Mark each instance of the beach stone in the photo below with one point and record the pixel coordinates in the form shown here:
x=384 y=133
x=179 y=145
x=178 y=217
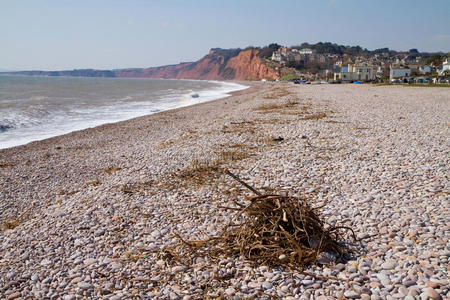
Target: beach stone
x=76 y=280
x=430 y=292
x=432 y=284
x=89 y=261
x=339 y=267
x=254 y=285
x=352 y=269
x=351 y=295
x=389 y=265
x=115 y=266
x=14 y=295
x=326 y=258
x=85 y=285
x=173 y=296
x=413 y=292
x=177 y=269
x=282 y=257
x=69 y=297
x=45 y=262
x=403 y=290
x=409 y=283
x=384 y=279
x=230 y=291
x=267 y=285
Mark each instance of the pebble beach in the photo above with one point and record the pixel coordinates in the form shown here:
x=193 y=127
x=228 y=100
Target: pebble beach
x=84 y=215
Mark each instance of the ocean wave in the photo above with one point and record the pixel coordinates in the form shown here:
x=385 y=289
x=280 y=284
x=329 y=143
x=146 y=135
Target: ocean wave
x=80 y=106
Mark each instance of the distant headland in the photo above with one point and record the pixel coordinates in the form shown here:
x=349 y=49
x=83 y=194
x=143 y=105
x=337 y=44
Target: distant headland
x=272 y=62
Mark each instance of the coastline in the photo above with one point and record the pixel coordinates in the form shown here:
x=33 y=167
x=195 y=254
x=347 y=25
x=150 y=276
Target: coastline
x=59 y=122
x=87 y=201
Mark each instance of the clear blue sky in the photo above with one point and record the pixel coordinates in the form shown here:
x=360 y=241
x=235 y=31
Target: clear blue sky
x=105 y=34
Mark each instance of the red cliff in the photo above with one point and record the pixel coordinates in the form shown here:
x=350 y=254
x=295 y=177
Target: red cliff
x=219 y=64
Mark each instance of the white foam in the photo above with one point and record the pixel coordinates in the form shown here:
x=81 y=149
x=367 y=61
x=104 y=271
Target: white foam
x=31 y=128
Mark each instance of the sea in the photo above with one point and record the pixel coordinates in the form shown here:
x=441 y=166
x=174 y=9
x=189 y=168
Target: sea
x=34 y=108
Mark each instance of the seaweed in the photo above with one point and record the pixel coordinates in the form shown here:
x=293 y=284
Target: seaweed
x=271 y=229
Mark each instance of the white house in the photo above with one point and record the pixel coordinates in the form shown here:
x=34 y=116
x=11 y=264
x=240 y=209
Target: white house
x=445 y=67
x=306 y=51
x=398 y=72
x=276 y=56
x=356 y=72
x=425 y=69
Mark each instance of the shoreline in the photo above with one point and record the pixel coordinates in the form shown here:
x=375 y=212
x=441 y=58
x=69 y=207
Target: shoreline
x=25 y=137
x=88 y=211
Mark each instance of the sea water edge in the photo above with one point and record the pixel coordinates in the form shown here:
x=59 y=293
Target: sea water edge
x=11 y=137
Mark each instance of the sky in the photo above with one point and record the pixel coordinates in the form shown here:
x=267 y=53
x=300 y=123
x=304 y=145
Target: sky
x=110 y=34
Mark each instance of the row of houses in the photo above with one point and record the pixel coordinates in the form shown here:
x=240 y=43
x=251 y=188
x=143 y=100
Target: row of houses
x=364 y=71
x=284 y=55
x=345 y=67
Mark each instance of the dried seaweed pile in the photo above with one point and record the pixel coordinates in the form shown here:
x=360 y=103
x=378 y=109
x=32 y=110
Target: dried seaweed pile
x=271 y=229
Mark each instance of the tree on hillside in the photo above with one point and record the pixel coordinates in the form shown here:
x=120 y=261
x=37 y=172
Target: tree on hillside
x=435 y=59
x=381 y=50
x=267 y=51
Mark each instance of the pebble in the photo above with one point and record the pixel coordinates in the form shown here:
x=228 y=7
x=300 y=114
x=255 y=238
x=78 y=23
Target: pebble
x=46 y=262
x=230 y=291
x=384 y=279
x=89 y=261
x=14 y=296
x=267 y=285
x=380 y=164
x=326 y=258
x=389 y=265
x=85 y=285
x=351 y=295
x=177 y=269
x=115 y=266
x=430 y=292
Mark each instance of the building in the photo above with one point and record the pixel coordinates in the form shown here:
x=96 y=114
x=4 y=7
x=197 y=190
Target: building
x=425 y=69
x=445 y=67
x=276 y=56
x=280 y=55
x=306 y=51
x=399 y=72
x=356 y=72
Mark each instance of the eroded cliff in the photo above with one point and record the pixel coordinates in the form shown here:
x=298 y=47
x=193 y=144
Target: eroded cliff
x=219 y=64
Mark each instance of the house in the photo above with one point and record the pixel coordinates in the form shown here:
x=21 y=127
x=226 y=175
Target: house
x=413 y=67
x=399 y=71
x=445 y=68
x=425 y=69
x=356 y=72
x=306 y=51
x=276 y=56
x=409 y=60
x=280 y=55
x=297 y=56
x=321 y=58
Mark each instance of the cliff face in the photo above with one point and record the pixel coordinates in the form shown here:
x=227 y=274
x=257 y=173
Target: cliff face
x=219 y=64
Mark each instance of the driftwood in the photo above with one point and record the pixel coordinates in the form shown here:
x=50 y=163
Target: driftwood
x=276 y=230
